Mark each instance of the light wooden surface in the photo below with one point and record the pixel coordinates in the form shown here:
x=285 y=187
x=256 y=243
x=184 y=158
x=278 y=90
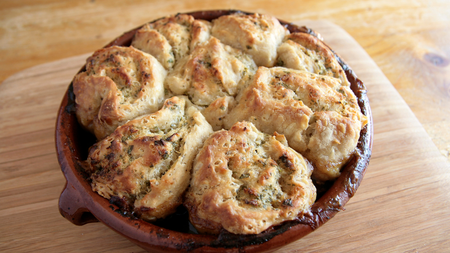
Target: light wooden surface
x=408 y=40
x=402 y=205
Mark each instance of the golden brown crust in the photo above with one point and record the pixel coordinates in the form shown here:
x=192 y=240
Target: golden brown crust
x=332 y=141
x=170 y=39
x=266 y=101
x=290 y=101
x=200 y=33
x=213 y=70
x=256 y=34
x=151 y=41
x=119 y=84
x=306 y=52
x=215 y=113
x=147 y=161
x=246 y=181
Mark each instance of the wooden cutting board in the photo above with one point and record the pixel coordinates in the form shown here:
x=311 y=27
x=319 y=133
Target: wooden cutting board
x=403 y=203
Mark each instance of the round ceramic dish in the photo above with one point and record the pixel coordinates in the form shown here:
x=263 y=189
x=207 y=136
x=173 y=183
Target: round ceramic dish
x=80 y=205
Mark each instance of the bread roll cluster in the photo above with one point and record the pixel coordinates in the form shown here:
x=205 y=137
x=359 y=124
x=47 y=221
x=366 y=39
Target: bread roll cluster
x=234 y=118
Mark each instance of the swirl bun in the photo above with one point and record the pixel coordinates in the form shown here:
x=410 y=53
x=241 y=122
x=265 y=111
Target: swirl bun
x=257 y=34
x=119 y=84
x=246 y=181
x=172 y=38
x=144 y=165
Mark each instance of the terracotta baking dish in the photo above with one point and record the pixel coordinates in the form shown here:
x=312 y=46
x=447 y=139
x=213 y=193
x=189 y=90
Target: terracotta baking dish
x=80 y=205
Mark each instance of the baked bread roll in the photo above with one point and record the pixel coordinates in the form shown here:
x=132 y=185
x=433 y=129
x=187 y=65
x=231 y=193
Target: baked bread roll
x=144 y=166
x=170 y=39
x=217 y=110
x=119 y=84
x=213 y=70
x=256 y=34
x=306 y=52
x=211 y=76
x=246 y=181
x=319 y=117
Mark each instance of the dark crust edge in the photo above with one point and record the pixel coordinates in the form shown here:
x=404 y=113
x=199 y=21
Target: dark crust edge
x=152 y=237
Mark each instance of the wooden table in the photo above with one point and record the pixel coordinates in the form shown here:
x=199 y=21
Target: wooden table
x=403 y=203
x=407 y=40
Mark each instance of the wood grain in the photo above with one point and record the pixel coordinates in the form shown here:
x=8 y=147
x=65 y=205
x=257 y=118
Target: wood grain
x=403 y=203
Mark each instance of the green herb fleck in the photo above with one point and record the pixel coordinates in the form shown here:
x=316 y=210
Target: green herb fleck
x=246 y=175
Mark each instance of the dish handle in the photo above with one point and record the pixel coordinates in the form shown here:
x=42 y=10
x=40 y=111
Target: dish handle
x=72 y=206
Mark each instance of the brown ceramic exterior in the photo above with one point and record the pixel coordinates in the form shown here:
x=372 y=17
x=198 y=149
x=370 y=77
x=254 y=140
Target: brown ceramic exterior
x=80 y=205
